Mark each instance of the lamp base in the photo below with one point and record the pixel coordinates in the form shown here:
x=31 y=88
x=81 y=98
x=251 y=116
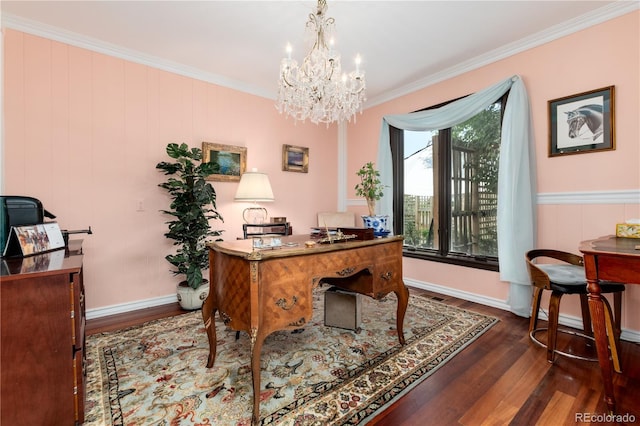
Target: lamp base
x=255 y=215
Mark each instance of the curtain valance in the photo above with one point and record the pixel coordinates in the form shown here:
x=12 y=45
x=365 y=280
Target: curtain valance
x=516 y=214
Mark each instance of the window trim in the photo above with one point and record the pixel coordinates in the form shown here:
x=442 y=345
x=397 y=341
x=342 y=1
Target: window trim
x=476 y=262
x=442 y=254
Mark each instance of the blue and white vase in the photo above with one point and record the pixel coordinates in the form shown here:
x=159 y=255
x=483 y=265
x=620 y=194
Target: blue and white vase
x=379 y=223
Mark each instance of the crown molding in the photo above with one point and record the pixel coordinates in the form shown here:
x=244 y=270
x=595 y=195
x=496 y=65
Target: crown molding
x=598 y=16
x=74 y=39
x=579 y=23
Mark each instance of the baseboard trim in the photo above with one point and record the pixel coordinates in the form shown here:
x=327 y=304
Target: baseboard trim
x=576 y=322
x=566 y=320
x=130 y=306
x=464 y=295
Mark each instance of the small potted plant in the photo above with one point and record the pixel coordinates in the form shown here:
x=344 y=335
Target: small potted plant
x=371 y=188
x=193 y=204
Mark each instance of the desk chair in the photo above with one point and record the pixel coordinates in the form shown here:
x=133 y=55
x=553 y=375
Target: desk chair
x=569 y=278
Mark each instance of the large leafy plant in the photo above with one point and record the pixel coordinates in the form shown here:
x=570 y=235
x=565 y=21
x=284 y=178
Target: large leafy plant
x=370 y=186
x=193 y=204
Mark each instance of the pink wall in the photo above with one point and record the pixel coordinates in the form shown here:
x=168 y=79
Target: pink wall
x=84 y=132
x=553 y=70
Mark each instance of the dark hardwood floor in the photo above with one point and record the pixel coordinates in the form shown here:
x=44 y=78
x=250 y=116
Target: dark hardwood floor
x=500 y=379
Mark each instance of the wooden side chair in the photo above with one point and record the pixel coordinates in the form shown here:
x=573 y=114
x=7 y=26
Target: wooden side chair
x=569 y=278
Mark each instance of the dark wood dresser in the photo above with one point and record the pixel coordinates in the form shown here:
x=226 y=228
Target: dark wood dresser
x=42 y=320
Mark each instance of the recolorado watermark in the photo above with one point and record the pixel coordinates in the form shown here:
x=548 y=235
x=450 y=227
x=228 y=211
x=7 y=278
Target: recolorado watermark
x=604 y=418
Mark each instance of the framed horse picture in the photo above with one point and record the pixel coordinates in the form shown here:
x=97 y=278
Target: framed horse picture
x=582 y=123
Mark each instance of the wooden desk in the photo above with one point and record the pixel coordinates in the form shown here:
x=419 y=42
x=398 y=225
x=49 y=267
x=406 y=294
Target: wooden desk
x=264 y=291
x=613 y=259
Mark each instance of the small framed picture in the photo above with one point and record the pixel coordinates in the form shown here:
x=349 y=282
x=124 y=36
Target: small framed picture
x=231 y=161
x=582 y=123
x=295 y=159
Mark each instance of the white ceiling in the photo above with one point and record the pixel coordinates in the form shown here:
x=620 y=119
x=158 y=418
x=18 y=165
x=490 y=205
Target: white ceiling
x=405 y=45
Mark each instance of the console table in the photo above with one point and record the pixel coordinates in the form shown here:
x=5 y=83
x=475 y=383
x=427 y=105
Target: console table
x=42 y=317
x=262 y=291
x=612 y=259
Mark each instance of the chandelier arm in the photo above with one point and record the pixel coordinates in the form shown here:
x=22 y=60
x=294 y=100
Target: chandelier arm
x=284 y=78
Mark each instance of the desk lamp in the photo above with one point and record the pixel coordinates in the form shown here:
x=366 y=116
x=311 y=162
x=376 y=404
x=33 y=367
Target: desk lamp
x=254 y=187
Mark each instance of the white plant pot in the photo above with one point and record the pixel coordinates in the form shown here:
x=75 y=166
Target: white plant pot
x=191 y=299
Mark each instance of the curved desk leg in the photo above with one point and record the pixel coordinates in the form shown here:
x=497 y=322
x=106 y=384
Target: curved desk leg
x=208 y=316
x=257 y=339
x=403 y=300
x=596 y=307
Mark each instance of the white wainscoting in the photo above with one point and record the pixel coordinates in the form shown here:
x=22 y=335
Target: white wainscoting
x=625 y=196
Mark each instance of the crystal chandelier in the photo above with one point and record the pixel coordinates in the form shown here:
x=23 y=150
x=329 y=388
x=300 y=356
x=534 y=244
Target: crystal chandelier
x=317 y=89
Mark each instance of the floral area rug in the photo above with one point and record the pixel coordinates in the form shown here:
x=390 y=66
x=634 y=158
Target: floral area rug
x=155 y=374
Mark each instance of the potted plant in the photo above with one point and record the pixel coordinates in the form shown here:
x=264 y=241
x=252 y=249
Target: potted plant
x=371 y=188
x=193 y=204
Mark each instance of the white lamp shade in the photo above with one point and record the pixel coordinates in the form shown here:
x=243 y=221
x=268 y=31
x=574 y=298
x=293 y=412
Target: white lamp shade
x=254 y=186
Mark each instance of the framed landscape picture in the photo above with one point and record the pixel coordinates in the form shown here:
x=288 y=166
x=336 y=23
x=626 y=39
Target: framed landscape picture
x=582 y=123
x=295 y=159
x=231 y=161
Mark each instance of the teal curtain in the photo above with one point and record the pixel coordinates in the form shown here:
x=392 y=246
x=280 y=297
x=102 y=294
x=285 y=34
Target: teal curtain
x=516 y=177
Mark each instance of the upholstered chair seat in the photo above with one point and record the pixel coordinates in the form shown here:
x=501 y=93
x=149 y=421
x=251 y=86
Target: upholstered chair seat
x=569 y=278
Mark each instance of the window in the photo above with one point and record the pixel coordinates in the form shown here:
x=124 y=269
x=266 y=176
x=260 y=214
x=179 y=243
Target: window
x=445 y=186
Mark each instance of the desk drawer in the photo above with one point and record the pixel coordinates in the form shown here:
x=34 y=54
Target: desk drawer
x=286 y=305
x=385 y=276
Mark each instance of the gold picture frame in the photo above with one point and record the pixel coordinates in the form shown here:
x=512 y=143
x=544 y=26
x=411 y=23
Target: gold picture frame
x=295 y=159
x=231 y=161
